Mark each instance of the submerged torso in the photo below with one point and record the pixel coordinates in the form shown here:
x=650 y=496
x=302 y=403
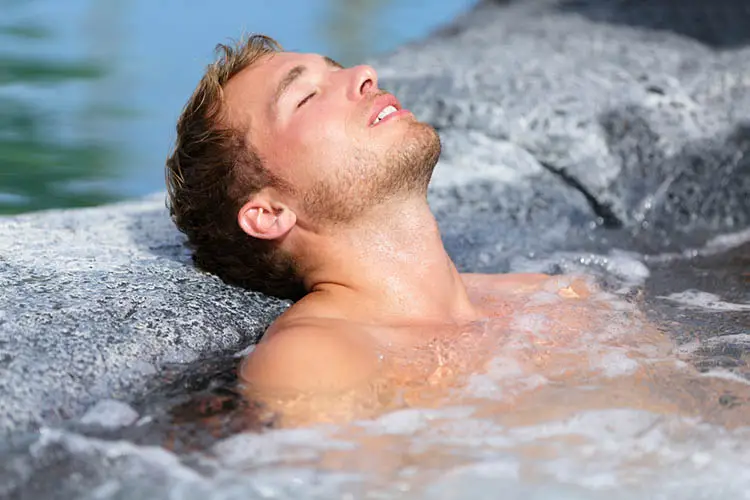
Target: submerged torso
x=543 y=347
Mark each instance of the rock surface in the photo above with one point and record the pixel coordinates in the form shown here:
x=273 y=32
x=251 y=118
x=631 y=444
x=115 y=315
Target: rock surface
x=570 y=129
x=652 y=128
x=98 y=303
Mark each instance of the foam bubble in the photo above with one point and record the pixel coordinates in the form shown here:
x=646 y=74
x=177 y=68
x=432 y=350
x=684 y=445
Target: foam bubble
x=728 y=241
x=627 y=267
x=426 y=454
x=716 y=245
x=726 y=375
x=696 y=299
x=288 y=445
x=614 y=363
x=110 y=413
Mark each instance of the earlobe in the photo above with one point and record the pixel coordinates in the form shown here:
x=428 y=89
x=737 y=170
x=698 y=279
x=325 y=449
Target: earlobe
x=264 y=222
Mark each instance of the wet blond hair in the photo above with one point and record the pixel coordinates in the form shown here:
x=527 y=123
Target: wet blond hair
x=213 y=170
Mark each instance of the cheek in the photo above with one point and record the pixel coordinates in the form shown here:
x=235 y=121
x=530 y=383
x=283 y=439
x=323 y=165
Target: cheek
x=316 y=137
x=303 y=151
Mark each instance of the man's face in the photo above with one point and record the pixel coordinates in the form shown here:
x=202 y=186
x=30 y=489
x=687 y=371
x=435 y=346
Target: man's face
x=315 y=125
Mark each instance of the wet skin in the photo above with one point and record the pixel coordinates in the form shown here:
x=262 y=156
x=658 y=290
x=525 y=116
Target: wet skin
x=320 y=364
x=560 y=330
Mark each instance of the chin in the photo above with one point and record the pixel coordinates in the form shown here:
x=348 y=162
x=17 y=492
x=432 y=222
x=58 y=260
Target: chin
x=406 y=169
x=428 y=143
x=417 y=156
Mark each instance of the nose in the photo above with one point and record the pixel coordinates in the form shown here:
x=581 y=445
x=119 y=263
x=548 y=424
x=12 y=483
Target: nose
x=364 y=80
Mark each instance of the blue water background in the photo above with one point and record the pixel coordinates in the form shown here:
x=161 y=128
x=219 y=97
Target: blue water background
x=153 y=52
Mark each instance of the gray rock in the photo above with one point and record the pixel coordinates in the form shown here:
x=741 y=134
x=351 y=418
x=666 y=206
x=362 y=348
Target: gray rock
x=573 y=132
x=98 y=303
x=651 y=127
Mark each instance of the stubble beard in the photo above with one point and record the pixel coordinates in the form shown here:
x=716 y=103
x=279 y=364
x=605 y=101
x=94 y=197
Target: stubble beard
x=405 y=171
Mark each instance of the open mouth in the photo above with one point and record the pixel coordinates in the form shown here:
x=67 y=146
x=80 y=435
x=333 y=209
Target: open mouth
x=384 y=108
x=386 y=111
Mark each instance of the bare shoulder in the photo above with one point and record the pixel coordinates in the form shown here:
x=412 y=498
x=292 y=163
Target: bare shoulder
x=310 y=356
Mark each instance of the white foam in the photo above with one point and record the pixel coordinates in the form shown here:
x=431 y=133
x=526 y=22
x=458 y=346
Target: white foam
x=245 y=352
x=728 y=241
x=696 y=299
x=614 y=363
x=434 y=454
x=287 y=446
x=412 y=420
x=628 y=267
x=110 y=413
x=718 y=244
x=725 y=375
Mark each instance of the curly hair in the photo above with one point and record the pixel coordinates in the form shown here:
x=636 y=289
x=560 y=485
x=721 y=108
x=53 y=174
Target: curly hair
x=213 y=170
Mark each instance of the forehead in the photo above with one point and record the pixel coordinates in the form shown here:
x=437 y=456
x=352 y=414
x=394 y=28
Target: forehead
x=249 y=93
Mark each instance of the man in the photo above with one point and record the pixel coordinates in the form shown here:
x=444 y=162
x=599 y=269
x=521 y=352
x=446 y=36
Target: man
x=300 y=178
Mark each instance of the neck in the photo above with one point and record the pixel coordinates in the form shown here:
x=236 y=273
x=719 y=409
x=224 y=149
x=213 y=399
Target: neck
x=391 y=265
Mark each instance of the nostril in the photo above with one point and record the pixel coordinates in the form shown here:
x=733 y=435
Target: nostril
x=363 y=80
x=366 y=86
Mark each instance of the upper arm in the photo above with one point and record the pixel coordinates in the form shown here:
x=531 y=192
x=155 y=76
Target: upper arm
x=308 y=359
x=309 y=375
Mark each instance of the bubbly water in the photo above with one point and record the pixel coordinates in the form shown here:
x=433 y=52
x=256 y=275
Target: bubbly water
x=445 y=453
x=612 y=411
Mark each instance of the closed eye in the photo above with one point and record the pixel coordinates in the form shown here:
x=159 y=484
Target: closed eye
x=306 y=99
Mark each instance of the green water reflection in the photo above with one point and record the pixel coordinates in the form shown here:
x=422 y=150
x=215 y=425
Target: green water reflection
x=39 y=167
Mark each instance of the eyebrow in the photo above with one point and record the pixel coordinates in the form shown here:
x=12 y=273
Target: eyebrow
x=295 y=73
x=332 y=63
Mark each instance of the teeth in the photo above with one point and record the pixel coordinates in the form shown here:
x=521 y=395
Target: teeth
x=386 y=111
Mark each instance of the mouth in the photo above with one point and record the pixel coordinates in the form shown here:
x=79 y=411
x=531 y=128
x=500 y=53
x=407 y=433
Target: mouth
x=385 y=107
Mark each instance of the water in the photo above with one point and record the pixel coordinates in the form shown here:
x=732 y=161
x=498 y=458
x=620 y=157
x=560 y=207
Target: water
x=93 y=88
x=615 y=410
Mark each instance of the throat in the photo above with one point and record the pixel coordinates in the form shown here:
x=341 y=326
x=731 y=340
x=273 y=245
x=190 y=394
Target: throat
x=384 y=296
x=392 y=264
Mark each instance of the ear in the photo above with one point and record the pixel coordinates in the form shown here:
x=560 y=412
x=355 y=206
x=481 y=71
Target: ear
x=263 y=220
